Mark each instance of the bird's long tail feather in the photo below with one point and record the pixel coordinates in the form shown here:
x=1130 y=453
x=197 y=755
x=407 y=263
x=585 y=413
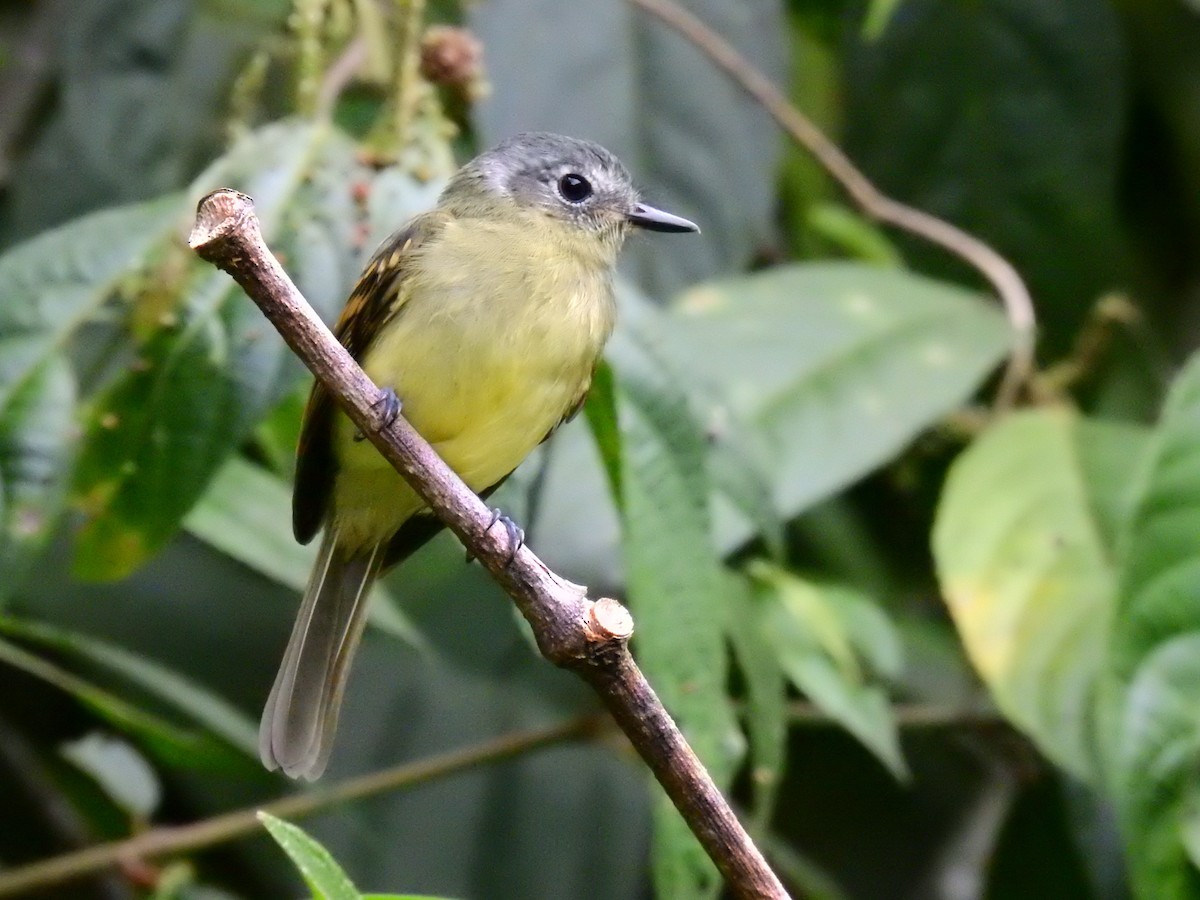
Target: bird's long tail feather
x=301 y=714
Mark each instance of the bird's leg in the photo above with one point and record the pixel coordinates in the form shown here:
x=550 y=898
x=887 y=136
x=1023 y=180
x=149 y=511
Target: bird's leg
x=516 y=535
x=389 y=404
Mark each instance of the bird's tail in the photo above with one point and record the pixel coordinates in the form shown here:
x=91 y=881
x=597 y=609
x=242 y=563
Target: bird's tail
x=301 y=714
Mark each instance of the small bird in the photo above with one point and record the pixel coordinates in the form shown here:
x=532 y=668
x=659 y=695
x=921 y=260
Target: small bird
x=483 y=320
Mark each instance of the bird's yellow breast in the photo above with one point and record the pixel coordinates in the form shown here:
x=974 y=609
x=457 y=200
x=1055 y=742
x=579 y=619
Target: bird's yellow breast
x=499 y=328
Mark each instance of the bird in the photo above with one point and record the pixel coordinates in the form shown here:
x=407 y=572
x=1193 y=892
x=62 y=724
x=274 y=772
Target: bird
x=482 y=320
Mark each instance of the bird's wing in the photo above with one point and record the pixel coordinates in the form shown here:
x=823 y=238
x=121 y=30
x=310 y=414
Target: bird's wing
x=377 y=297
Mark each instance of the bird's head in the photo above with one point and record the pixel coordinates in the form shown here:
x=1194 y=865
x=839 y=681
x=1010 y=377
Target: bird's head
x=567 y=180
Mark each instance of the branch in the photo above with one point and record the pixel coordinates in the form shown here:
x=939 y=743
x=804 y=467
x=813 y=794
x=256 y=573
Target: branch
x=232 y=825
x=1018 y=305
x=588 y=637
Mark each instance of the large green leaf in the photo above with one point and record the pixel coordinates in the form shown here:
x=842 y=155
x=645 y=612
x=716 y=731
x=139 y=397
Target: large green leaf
x=675 y=585
x=208 y=366
x=839 y=365
x=53 y=288
x=806 y=376
x=1007 y=118
x=57 y=283
x=1159 y=597
x=682 y=126
x=1024 y=549
x=1157 y=738
x=1156 y=648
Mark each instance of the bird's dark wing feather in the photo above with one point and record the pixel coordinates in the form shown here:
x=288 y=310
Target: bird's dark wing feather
x=375 y=299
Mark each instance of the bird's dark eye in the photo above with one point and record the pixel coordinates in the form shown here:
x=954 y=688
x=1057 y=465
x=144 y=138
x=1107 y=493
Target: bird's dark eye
x=574 y=188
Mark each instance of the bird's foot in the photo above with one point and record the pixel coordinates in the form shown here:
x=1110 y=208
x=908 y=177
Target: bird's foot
x=516 y=535
x=389 y=406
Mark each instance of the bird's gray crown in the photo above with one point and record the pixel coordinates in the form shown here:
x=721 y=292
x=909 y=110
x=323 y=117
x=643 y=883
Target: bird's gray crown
x=565 y=177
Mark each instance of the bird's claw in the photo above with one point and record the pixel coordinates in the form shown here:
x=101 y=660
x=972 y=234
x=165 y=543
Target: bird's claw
x=516 y=535
x=389 y=406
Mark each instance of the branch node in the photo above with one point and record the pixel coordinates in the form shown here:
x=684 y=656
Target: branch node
x=608 y=621
x=221 y=215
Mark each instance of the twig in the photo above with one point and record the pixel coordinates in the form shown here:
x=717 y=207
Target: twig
x=233 y=825
x=995 y=268
x=572 y=631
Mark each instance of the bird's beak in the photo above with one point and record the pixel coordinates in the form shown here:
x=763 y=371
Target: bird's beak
x=652 y=219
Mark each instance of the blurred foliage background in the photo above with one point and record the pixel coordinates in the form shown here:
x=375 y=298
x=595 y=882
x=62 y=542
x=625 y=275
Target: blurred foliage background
x=933 y=649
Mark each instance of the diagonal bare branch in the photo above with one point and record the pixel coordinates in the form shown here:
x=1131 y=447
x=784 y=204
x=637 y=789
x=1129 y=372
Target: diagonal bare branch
x=572 y=631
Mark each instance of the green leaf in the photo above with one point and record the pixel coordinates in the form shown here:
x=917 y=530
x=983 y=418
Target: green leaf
x=765 y=710
x=167 y=685
x=57 y=283
x=1024 y=553
x=1155 y=653
x=395 y=196
x=601 y=412
x=679 y=865
x=806 y=376
x=37 y=444
x=140 y=95
x=740 y=463
x=1158 y=591
x=209 y=366
x=645 y=93
x=1158 y=742
x=321 y=872
x=827 y=641
x=246 y=514
x=675 y=585
x=839 y=365
x=53 y=287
